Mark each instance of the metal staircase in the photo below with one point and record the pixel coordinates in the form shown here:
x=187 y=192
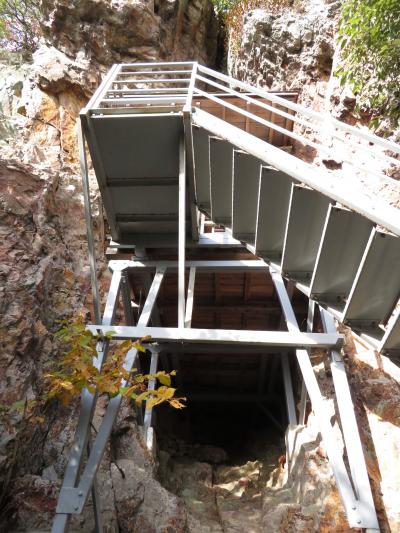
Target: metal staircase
x=170 y=141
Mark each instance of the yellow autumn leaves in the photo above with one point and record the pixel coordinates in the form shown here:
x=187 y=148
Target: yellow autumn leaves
x=78 y=370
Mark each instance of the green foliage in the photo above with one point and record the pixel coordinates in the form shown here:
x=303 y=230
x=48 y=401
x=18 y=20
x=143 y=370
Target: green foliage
x=369 y=37
x=222 y=7
x=76 y=371
x=19 y=25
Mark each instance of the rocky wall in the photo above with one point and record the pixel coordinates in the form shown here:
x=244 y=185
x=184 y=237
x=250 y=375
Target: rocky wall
x=44 y=273
x=291 y=49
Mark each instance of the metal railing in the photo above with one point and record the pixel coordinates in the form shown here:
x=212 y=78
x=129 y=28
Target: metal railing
x=356 y=154
x=330 y=138
x=133 y=86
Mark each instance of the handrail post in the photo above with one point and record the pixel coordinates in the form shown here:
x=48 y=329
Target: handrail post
x=89 y=224
x=187 y=111
x=188 y=105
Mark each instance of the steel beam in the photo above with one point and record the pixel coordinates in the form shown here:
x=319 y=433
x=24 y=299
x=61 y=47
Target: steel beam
x=148 y=413
x=230 y=397
x=72 y=499
x=89 y=223
x=277 y=339
x=126 y=299
x=287 y=381
x=182 y=235
x=88 y=402
x=164 y=240
x=303 y=394
x=243 y=265
x=357 y=512
x=190 y=298
x=351 y=434
x=189 y=151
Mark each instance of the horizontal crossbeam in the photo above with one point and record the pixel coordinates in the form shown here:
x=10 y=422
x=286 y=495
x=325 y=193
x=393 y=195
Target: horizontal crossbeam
x=277 y=339
x=243 y=265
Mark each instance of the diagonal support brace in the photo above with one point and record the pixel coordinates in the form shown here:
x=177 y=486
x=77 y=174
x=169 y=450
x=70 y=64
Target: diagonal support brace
x=357 y=511
x=72 y=499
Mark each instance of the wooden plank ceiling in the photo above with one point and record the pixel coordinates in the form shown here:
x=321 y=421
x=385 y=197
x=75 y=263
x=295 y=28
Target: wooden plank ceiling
x=222 y=300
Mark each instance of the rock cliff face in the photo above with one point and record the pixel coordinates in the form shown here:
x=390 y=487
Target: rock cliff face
x=81 y=40
x=43 y=254
x=287 y=50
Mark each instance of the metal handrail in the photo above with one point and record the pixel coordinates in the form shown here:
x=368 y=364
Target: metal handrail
x=388 y=145
x=293 y=135
x=317 y=123
x=294 y=118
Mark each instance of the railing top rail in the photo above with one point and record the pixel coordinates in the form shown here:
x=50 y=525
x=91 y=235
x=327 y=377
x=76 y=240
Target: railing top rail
x=296 y=136
x=159 y=80
x=153 y=72
x=159 y=64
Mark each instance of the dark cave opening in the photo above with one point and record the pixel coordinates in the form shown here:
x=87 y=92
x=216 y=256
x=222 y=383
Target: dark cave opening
x=236 y=406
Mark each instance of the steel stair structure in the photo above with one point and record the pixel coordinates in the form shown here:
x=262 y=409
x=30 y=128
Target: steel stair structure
x=166 y=149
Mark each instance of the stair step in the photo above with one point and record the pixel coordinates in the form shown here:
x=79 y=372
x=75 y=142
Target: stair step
x=272 y=212
x=391 y=339
x=221 y=161
x=342 y=247
x=246 y=179
x=306 y=219
x=376 y=287
x=144 y=201
x=202 y=168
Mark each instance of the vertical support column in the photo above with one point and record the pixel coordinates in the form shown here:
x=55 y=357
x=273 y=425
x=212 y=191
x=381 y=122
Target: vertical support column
x=351 y=434
x=355 y=510
x=303 y=396
x=72 y=499
x=148 y=414
x=89 y=224
x=287 y=381
x=289 y=396
x=182 y=235
x=126 y=299
x=82 y=433
x=291 y=411
x=190 y=297
x=187 y=125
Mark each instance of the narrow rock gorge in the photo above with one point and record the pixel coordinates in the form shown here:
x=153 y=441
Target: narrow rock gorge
x=196 y=486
